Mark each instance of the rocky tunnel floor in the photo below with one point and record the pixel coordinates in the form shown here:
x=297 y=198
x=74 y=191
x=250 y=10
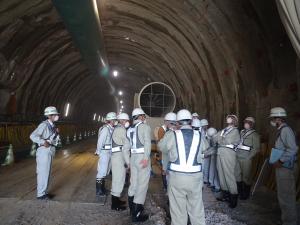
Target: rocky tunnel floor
x=73 y=183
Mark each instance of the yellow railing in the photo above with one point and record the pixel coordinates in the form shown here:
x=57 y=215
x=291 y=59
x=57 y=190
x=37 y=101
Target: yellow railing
x=18 y=135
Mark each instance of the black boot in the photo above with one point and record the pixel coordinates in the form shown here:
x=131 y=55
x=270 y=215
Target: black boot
x=115 y=204
x=130 y=203
x=137 y=215
x=233 y=200
x=103 y=189
x=100 y=187
x=246 y=192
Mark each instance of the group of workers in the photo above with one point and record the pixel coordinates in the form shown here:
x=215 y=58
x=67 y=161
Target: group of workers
x=225 y=165
x=121 y=146
x=192 y=154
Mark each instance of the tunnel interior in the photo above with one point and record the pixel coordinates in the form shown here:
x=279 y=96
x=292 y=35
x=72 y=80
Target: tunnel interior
x=218 y=57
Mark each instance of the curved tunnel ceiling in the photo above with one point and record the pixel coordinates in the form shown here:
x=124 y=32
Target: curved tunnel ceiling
x=218 y=56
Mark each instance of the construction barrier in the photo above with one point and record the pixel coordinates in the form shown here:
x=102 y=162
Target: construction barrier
x=9 y=158
x=17 y=135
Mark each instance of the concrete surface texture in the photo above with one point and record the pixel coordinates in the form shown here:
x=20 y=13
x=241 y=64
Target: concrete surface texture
x=218 y=56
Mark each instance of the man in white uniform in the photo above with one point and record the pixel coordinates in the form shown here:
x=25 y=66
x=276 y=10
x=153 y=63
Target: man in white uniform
x=184 y=147
x=140 y=165
x=246 y=150
x=170 y=125
x=46 y=136
x=119 y=161
x=206 y=160
x=227 y=141
x=212 y=152
x=104 y=152
x=286 y=167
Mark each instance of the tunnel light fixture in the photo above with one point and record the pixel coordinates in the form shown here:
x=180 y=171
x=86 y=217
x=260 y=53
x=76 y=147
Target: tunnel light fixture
x=120 y=93
x=67 y=109
x=122 y=107
x=115 y=73
x=99 y=118
x=95 y=116
x=121 y=101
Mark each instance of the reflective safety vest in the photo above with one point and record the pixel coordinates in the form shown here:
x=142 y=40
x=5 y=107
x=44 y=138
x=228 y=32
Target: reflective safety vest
x=136 y=146
x=107 y=143
x=188 y=147
x=244 y=135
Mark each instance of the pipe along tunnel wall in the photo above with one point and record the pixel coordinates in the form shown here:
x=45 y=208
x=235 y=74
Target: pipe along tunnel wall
x=218 y=56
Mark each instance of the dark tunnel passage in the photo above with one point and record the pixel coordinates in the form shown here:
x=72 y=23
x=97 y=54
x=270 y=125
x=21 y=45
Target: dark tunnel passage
x=218 y=56
x=91 y=57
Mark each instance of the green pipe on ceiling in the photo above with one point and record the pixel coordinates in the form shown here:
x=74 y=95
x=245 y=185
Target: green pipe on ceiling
x=82 y=20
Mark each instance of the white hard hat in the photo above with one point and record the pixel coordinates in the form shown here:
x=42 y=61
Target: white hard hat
x=204 y=122
x=211 y=132
x=111 y=116
x=278 y=112
x=195 y=114
x=250 y=119
x=233 y=117
x=184 y=114
x=137 y=112
x=123 y=116
x=51 y=110
x=196 y=123
x=170 y=116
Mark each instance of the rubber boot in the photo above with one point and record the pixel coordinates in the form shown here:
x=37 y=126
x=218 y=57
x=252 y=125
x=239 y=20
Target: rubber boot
x=246 y=192
x=99 y=189
x=233 y=200
x=137 y=215
x=130 y=203
x=103 y=189
x=115 y=204
x=240 y=187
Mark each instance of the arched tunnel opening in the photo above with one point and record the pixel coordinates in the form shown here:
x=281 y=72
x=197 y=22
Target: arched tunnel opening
x=91 y=57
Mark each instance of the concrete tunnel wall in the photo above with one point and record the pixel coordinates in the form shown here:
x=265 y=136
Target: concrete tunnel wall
x=219 y=56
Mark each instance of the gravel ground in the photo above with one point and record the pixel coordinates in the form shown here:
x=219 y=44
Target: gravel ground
x=36 y=212
x=73 y=182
